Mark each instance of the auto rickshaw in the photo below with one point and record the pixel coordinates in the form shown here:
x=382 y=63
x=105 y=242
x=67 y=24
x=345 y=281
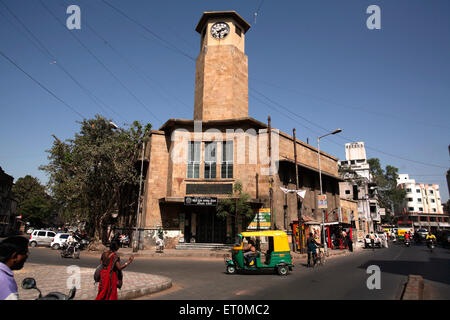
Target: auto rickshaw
x=277 y=256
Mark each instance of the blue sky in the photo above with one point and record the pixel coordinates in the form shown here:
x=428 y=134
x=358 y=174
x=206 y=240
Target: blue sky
x=313 y=65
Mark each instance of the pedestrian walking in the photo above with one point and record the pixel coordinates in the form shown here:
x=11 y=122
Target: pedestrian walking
x=349 y=242
x=385 y=238
x=13 y=254
x=111 y=274
x=372 y=240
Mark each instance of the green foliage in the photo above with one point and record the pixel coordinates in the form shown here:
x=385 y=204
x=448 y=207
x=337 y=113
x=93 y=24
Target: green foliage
x=95 y=173
x=386 y=181
x=237 y=204
x=33 y=202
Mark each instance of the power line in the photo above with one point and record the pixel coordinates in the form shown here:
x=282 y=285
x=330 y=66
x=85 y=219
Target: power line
x=168 y=44
x=131 y=65
x=101 y=63
x=41 y=47
x=343 y=105
x=42 y=86
x=348 y=139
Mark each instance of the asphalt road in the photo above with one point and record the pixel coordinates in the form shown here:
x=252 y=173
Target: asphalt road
x=343 y=277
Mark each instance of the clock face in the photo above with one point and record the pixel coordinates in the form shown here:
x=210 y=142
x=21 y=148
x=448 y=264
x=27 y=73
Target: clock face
x=220 y=30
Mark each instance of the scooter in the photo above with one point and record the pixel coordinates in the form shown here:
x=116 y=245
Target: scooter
x=30 y=283
x=70 y=251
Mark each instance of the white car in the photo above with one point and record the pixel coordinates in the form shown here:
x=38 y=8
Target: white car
x=367 y=242
x=58 y=240
x=41 y=237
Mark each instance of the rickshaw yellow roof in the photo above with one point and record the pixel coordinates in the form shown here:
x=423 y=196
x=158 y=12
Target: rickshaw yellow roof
x=266 y=233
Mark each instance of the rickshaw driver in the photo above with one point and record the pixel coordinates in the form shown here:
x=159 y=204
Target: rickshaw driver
x=250 y=250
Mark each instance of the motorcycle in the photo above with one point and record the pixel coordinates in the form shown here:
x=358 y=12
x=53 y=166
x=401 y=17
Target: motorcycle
x=70 y=250
x=407 y=243
x=30 y=283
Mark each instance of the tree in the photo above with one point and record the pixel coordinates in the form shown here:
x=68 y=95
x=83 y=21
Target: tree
x=388 y=193
x=33 y=202
x=235 y=205
x=97 y=173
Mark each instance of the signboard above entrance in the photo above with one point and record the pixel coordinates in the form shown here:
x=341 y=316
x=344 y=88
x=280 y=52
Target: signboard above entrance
x=200 y=201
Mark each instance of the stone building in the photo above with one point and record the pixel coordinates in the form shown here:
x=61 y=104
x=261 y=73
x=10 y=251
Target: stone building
x=8 y=206
x=193 y=164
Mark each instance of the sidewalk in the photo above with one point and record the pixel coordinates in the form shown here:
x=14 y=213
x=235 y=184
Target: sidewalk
x=61 y=278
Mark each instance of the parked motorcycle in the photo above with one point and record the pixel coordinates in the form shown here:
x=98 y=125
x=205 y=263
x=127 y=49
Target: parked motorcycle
x=30 y=283
x=70 y=250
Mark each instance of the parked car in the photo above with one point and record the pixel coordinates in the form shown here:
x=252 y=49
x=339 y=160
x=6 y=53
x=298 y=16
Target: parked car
x=41 y=237
x=58 y=240
x=422 y=233
x=367 y=242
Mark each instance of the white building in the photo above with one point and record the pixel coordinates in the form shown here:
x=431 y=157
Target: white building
x=420 y=197
x=365 y=192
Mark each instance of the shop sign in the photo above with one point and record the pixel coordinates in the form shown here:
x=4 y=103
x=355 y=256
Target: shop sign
x=200 y=201
x=262 y=220
x=322 y=201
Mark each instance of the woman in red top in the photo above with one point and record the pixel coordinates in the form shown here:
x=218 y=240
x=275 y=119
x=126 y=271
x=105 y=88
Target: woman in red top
x=111 y=275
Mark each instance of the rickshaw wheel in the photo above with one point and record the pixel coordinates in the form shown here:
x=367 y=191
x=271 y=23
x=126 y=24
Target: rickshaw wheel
x=231 y=269
x=282 y=270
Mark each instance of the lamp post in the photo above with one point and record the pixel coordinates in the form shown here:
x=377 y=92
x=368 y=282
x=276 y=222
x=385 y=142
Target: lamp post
x=320 y=180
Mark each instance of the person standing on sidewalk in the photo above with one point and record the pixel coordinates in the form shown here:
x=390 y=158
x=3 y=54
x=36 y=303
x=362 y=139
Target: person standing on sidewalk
x=13 y=254
x=349 y=242
x=111 y=274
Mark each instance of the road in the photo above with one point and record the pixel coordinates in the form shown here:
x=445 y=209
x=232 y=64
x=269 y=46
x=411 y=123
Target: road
x=343 y=277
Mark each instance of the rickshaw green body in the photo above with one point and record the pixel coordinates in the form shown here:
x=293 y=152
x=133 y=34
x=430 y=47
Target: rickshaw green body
x=277 y=257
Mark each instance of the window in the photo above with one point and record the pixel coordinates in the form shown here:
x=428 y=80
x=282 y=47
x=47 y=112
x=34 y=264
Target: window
x=420 y=209
x=408 y=190
x=347 y=191
x=419 y=199
x=431 y=192
x=432 y=201
x=411 y=209
x=227 y=160
x=210 y=160
x=410 y=199
x=41 y=234
x=50 y=234
x=417 y=190
x=193 y=168
x=64 y=236
x=434 y=209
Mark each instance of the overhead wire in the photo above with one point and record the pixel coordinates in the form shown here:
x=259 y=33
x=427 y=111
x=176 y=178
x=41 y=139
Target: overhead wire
x=101 y=63
x=135 y=69
x=42 y=86
x=41 y=47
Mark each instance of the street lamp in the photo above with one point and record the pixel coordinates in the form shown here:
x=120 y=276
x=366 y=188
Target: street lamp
x=320 y=179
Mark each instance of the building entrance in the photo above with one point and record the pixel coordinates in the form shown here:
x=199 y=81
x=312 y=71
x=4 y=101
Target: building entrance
x=208 y=227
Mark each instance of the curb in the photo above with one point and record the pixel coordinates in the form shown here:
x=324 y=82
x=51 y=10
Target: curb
x=413 y=288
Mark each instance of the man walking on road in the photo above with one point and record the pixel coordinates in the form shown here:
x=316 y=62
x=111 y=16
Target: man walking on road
x=372 y=240
x=13 y=254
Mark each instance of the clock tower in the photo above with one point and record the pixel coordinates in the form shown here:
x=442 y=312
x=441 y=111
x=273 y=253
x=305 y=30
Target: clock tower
x=221 y=76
